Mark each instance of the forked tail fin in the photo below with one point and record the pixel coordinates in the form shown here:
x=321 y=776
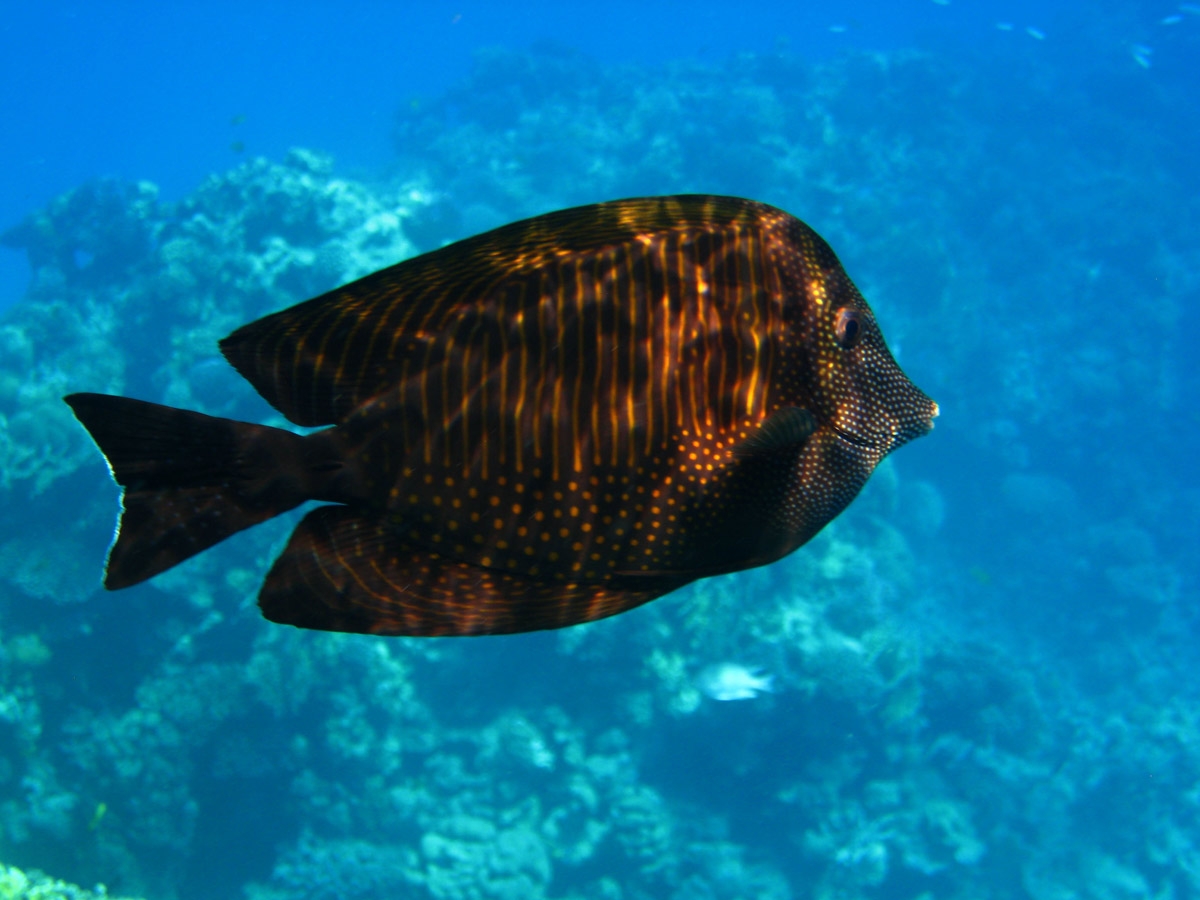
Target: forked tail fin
x=190 y=480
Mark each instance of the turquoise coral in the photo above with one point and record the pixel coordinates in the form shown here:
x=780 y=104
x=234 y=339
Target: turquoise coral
x=18 y=885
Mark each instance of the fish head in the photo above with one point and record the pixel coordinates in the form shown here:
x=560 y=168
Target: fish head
x=859 y=404
x=859 y=395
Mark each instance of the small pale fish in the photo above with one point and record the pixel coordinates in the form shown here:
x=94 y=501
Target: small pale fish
x=733 y=681
x=1004 y=26
x=1171 y=20
x=1192 y=9
x=1142 y=54
x=1036 y=33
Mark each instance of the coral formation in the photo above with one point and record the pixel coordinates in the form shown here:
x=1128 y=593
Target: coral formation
x=18 y=885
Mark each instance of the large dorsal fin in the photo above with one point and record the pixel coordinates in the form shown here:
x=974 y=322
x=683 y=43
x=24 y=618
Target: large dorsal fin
x=318 y=360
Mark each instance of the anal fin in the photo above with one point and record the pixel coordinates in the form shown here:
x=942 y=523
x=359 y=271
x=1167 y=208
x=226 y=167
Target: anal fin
x=344 y=570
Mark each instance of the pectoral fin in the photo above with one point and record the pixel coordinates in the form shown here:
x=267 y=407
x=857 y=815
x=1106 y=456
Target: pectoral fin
x=785 y=430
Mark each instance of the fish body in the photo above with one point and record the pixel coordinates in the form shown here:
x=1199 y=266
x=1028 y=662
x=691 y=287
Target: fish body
x=733 y=681
x=542 y=425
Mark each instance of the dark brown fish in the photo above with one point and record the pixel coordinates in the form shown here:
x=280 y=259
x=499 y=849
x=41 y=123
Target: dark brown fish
x=543 y=425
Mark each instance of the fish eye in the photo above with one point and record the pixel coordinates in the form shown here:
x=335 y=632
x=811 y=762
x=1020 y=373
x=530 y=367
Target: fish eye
x=847 y=327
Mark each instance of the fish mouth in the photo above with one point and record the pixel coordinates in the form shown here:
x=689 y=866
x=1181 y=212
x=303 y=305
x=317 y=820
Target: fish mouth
x=901 y=431
x=858 y=440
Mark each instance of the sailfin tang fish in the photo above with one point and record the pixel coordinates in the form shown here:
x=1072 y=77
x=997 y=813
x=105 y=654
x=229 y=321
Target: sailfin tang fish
x=538 y=426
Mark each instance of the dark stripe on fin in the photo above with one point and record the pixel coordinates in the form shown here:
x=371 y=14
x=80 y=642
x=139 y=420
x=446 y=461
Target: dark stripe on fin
x=346 y=571
x=190 y=480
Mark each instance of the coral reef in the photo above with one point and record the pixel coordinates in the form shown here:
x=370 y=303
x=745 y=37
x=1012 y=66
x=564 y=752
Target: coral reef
x=18 y=885
x=980 y=673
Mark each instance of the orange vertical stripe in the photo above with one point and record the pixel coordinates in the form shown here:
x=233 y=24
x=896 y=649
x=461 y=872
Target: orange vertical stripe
x=577 y=299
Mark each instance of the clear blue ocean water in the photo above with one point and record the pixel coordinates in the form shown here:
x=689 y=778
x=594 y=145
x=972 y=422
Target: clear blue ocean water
x=982 y=675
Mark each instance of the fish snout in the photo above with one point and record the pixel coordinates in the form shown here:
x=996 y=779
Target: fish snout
x=933 y=412
x=914 y=419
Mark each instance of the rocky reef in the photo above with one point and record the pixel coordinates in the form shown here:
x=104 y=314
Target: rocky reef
x=18 y=885
x=979 y=670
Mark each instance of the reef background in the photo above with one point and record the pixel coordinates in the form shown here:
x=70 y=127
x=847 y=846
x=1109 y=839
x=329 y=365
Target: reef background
x=985 y=670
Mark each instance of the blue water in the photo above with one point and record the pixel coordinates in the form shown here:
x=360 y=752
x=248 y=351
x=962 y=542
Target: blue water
x=983 y=673
x=150 y=92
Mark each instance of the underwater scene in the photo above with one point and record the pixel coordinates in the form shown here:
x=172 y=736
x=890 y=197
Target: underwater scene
x=978 y=681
